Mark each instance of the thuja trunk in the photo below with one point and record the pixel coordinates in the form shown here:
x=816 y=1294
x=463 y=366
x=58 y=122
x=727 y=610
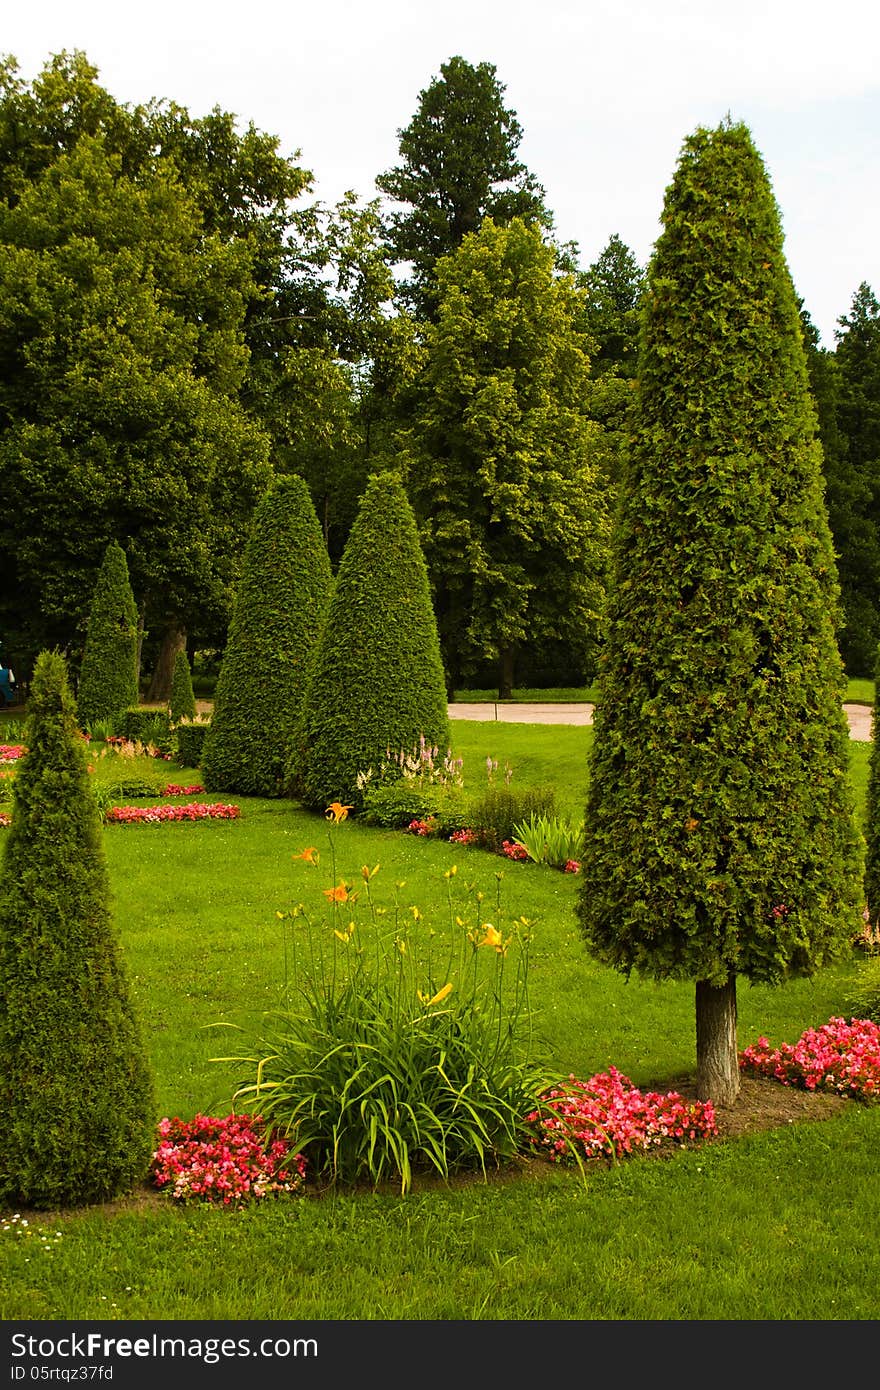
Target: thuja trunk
x=173 y=641
x=717 y=1065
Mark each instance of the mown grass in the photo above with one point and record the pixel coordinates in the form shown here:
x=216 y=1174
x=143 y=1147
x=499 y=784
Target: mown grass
x=776 y=1226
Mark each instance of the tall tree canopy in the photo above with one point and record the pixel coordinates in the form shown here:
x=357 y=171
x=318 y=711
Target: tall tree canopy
x=514 y=523
x=136 y=246
x=720 y=838
x=458 y=165
x=853 y=473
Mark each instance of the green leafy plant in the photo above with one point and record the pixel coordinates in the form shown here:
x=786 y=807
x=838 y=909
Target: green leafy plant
x=397 y=803
x=401 y=1047
x=863 y=1000
x=494 y=815
x=550 y=840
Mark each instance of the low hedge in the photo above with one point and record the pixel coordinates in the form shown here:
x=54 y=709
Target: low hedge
x=189 y=741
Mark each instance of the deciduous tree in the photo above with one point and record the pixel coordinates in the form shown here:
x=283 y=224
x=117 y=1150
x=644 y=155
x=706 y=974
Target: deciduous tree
x=513 y=519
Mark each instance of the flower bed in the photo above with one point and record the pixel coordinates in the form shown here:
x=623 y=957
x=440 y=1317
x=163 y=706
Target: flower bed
x=609 y=1117
x=10 y=753
x=841 y=1057
x=223 y=1160
x=153 y=815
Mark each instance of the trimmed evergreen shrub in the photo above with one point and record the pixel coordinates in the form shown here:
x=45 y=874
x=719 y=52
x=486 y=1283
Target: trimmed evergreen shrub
x=144 y=726
x=720 y=837
x=279 y=610
x=108 y=678
x=378 y=680
x=496 y=813
x=872 y=810
x=182 y=704
x=75 y=1087
x=189 y=740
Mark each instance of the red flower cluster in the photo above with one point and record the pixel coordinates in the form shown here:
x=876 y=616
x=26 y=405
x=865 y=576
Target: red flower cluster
x=463 y=837
x=174 y=790
x=839 y=1056
x=571 y=866
x=4 y=819
x=512 y=850
x=422 y=827
x=152 y=815
x=10 y=752
x=608 y=1116
x=223 y=1160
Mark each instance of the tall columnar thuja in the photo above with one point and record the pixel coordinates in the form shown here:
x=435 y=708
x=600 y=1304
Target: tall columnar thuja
x=720 y=836
x=378 y=679
x=279 y=609
x=75 y=1087
x=108 y=679
x=182 y=704
x=872 y=813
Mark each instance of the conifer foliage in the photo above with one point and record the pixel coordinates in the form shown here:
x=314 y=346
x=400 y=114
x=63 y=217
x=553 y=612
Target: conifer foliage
x=108 y=680
x=378 y=680
x=720 y=836
x=75 y=1087
x=278 y=613
x=182 y=704
x=872 y=813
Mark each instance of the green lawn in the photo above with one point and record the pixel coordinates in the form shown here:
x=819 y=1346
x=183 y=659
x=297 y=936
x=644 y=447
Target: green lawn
x=776 y=1226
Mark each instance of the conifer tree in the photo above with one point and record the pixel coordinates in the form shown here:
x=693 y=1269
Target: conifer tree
x=75 y=1087
x=108 y=679
x=720 y=836
x=872 y=813
x=378 y=679
x=182 y=704
x=278 y=613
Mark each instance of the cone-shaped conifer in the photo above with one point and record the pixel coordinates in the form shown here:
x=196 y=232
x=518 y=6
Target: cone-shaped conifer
x=182 y=704
x=75 y=1088
x=108 y=678
x=378 y=680
x=279 y=611
x=720 y=835
x=872 y=812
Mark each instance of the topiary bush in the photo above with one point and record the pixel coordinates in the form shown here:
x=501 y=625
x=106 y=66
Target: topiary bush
x=144 y=726
x=378 y=680
x=279 y=610
x=720 y=835
x=108 y=678
x=75 y=1087
x=189 y=740
x=182 y=704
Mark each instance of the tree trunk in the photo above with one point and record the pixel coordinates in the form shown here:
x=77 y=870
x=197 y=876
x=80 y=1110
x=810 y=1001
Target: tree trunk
x=505 y=673
x=717 y=1066
x=173 y=641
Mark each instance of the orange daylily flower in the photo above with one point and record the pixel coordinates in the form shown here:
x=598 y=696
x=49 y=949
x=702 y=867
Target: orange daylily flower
x=437 y=998
x=492 y=937
x=339 y=894
x=310 y=855
x=337 y=812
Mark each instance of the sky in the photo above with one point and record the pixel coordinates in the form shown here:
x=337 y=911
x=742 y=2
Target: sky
x=606 y=92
